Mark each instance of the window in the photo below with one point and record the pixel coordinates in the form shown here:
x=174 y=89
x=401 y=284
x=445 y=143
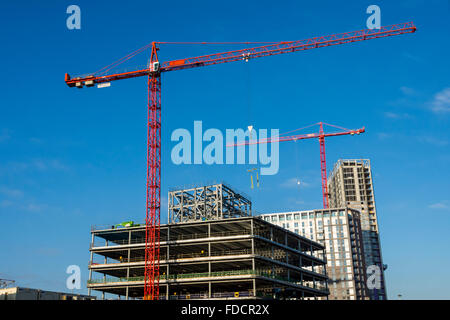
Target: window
x=281 y=218
x=296 y=216
x=295 y=224
x=289 y=217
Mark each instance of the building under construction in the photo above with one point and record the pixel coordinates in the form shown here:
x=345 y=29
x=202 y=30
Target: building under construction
x=212 y=248
x=351 y=184
x=339 y=230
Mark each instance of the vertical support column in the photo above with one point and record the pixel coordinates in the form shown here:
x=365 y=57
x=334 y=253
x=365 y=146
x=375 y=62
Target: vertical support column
x=168 y=264
x=209 y=242
x=209 y=290
x=209 y=282
x=152 y=222
x=323 y=167
x=90 y=262
x=301 y=278
x=286 y=251
x=252 y=232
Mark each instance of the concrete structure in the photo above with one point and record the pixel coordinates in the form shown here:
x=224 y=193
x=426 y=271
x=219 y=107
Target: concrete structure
x=20 y=293
x=339 y=230
x=215 y=258
x=351 y=184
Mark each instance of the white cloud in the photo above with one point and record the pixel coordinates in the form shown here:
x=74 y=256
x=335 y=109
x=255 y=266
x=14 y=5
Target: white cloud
x=35 y=140
x=383 y=135
x=6 y=203
x=412 y=57
x=34 y=207
x=441 y=102
x=294 y=183
x=440 y=205
x=433 y=140
x=393 y=115
x=12 y=193
x=5 y=135
x=35 y=164
x=407 y=90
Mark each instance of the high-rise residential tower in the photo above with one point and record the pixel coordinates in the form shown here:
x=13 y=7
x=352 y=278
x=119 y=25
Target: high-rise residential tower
x=339 y=231
x=351 y=185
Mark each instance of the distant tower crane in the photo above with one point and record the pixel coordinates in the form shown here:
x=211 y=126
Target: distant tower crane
x=321 y=135
x=153 y=72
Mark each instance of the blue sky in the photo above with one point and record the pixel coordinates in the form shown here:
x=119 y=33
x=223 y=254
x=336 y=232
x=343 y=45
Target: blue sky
x=72 y=158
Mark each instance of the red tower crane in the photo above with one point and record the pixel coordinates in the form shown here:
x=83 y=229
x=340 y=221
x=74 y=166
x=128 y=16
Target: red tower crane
x=153 y=73
x=321 y=135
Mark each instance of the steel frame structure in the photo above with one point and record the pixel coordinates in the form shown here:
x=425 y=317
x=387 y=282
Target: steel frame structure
x=212 y=202
x=239 y=258
x=153 y=72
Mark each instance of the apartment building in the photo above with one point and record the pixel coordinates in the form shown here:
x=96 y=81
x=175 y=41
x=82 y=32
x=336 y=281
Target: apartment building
x=351 y=184
x=339 y=231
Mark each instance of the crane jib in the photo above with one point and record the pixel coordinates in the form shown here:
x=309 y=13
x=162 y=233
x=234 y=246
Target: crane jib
x=249 y=53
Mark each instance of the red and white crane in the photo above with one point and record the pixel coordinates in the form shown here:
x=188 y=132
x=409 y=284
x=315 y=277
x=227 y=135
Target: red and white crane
x=321 y=135
x=153 y=73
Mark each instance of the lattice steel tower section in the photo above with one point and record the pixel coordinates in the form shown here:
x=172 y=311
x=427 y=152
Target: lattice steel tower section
x=213 y=202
